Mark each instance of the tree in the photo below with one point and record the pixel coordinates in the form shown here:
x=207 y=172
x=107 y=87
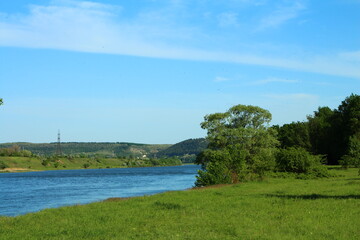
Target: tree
x=331 y=130
x=324 y=133
x=348 y=114
x=294 y=134
x=1 y=101
x=240 y=146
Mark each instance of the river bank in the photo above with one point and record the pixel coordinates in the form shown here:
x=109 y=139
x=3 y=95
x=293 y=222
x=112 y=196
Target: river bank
x=276 y=208
x=28 y=164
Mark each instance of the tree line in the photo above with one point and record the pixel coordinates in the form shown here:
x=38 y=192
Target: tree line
x=332 y=133
x=243 y=146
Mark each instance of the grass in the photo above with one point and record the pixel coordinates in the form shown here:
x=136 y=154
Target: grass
x=277 y=208
x=20 y=164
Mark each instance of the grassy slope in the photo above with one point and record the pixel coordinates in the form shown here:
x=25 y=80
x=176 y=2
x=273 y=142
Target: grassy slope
x=273 y=209
x=76 y=163
x=91 y=148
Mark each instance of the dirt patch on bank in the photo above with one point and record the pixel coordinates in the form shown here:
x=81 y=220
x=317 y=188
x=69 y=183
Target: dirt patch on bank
x=116 y=199
x=11 y=170
x=211 y=186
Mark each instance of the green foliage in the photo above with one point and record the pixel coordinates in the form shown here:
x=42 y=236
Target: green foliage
x=1 y=101
x=327 y=132
x=215 y=168
x=294 y=134
x=298 y=160
x=45 y=162
x=15 y=151
x=86 y=165
x=92 y=149
x=240 y=144
x=349 y=112
x=3 y=165
x=331 y=131
x=55 y=162
x=352 y=158
x=323 y=132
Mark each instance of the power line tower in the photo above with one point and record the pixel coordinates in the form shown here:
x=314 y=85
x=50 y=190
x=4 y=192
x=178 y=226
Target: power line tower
x=58 y=145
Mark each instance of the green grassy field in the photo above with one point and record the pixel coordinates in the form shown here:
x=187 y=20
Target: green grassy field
x=276 y=208
x=15 y=164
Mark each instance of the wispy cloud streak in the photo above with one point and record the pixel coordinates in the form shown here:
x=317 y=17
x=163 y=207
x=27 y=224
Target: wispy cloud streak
x=294 y=97
x=274 y=80
x=281 y=15
x=99 y=28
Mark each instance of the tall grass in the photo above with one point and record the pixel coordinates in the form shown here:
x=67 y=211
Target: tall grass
x=277 y=208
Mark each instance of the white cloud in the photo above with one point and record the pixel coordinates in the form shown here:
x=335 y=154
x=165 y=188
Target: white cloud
x=281 y=15
x=221 y=79
x=100 y=28
x=294 y=97
x=227 y=19
x=353 y=56
x=274 y=80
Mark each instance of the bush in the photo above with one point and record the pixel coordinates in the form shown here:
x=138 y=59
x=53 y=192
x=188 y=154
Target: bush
x=216 y=173
x=352 y=158
x=300 y=161
x=3 y=165
x=347 y=161
x=15 y=151
x=45 y=162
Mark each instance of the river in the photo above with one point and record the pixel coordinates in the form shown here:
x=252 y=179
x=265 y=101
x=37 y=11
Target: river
x=22 y=193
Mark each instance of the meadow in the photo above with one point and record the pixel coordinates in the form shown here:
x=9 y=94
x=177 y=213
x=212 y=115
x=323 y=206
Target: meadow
x=275 y=208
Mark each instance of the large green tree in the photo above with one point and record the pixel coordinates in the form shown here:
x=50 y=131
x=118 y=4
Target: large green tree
x=241 y=145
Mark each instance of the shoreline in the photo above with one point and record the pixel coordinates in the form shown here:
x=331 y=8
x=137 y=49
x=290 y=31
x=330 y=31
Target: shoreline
x=22 y=170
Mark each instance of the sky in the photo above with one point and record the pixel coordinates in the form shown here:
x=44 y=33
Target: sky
x=148 y=71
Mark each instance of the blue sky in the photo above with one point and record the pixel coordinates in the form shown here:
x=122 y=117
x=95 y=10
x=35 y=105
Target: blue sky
x=148 y=71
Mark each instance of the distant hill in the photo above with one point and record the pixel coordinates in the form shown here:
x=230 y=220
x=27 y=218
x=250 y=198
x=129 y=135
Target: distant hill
x=185 y=150
x=106 y=149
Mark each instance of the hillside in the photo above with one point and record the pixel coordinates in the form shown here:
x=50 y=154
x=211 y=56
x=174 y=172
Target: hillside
x=185 y=150
x=16 y=164
x=106 y=149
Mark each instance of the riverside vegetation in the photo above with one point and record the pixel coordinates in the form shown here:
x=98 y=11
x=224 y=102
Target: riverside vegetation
x=19 y=163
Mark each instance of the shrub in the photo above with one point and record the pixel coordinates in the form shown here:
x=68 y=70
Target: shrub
x=300 y=161
x=352 y=158
x=45 y=162
x=56 y=164
x=3 y=165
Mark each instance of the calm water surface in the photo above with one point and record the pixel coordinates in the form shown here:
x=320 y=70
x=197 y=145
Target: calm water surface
x=22 y=193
